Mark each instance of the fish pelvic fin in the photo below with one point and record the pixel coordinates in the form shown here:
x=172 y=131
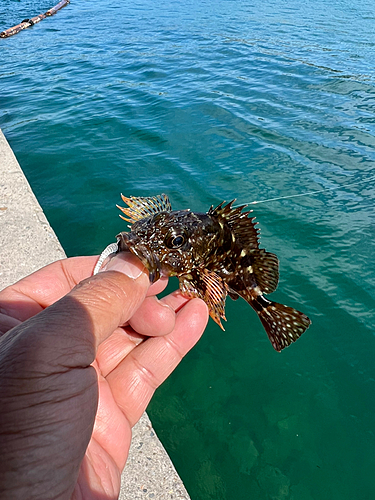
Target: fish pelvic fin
x=140 y=208
x=208 y=286
x=283 y=324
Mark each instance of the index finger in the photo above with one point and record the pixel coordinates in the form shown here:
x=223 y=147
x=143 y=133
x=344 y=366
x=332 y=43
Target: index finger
x=44 y=287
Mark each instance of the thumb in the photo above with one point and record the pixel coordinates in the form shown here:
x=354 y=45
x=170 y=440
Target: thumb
x=49 y=406
x=69 y=331
x=105 y=301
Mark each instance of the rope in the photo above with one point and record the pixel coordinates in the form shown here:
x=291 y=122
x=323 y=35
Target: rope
x=26 y=23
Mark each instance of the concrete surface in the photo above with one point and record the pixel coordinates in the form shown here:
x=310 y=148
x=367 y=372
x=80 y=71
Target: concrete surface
x=28 y=243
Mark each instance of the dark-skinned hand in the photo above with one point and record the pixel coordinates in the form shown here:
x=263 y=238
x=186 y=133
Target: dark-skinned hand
x=80 y=358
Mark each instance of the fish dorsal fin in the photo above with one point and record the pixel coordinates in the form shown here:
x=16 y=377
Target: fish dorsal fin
x=139 y=208
x=243 y=227
x=209 y=287
x=266 y=270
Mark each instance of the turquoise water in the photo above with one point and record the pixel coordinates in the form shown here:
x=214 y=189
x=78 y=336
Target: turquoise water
x=217 y=100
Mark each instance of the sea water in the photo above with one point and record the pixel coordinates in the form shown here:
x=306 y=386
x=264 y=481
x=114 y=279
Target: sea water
x=209 y=101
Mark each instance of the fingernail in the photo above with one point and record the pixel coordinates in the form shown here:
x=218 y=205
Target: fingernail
x=126 y=263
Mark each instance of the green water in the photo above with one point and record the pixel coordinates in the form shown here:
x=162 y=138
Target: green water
x=217 y=100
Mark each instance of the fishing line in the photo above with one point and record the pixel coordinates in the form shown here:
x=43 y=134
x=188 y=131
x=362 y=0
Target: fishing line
x=311 y=192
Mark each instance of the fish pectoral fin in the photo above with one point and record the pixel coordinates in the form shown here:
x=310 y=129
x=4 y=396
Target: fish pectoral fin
x=266 y=270
x=283 y=324
x=142 y=207
x=188 y=288
x=209 y=287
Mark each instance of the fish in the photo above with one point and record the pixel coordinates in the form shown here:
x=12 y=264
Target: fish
x=213 y=255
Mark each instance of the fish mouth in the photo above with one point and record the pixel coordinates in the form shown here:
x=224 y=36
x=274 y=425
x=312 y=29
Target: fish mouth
x=130 y=242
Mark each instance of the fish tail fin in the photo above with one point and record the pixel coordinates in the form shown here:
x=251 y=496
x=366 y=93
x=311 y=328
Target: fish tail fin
x=283 y=324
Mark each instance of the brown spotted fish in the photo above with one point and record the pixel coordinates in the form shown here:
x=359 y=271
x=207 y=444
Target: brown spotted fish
x=213 y=254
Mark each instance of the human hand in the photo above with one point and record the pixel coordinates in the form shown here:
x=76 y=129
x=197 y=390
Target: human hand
x=74 y=380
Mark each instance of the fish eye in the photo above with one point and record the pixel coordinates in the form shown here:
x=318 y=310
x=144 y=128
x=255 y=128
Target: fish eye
x=178 y=241
x=175 y=241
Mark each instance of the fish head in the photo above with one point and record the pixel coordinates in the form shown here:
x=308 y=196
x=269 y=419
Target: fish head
x=168 y=243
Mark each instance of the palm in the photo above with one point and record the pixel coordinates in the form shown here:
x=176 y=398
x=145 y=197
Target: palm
x=130 y=363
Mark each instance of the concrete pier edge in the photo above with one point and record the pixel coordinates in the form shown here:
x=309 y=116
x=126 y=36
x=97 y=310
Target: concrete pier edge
x=28 y=243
